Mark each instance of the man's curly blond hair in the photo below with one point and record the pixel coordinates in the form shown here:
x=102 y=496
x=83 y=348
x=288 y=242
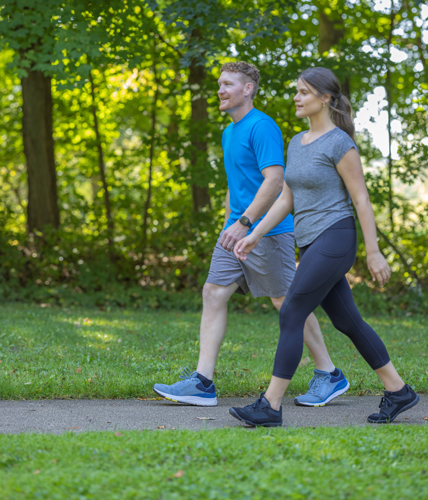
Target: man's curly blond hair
x=249 y=74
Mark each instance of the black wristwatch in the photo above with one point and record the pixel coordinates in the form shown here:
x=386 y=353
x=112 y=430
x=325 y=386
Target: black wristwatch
x=245 y=221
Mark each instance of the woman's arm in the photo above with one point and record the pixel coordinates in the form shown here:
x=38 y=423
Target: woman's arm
x=278 y=212
x=351 y=171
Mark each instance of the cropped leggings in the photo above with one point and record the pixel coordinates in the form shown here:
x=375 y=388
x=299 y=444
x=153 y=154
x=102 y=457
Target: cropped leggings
x=320 y=280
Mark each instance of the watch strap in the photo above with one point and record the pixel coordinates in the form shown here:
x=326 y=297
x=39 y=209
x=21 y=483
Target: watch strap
x=245 y=221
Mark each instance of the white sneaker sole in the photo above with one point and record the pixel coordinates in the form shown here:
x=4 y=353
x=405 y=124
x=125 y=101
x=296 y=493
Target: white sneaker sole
x=330 y=398
x=189 y=400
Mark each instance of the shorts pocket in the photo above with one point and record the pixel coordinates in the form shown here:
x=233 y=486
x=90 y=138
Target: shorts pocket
x=338 y=242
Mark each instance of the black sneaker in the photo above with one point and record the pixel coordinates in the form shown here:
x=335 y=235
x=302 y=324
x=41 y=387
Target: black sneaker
x=391 y=405
x=259 y=413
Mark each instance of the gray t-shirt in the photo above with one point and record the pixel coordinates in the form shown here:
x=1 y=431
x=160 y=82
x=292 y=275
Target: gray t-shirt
x=320 y=195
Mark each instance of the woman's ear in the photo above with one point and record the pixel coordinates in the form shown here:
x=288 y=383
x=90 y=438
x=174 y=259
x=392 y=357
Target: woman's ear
x=326 y=99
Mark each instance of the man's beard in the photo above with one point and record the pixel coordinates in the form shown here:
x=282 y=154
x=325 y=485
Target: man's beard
x=233 y=103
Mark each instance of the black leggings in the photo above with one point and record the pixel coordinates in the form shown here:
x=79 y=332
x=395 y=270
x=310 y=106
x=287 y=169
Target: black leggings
x=320 y=280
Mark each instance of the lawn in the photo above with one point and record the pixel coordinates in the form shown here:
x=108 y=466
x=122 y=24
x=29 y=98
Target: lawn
x=299 y=464
x=87 y=353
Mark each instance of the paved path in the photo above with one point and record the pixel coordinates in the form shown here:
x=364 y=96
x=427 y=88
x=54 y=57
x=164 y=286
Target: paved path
x=59 y=416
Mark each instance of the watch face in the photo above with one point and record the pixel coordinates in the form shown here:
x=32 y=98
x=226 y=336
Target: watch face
x=245 y=220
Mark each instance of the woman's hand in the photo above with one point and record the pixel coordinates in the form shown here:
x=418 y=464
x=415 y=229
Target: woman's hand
x=379 y=268
x=244 y=246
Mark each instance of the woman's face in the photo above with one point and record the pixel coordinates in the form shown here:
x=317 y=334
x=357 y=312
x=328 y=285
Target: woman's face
x=307 y=101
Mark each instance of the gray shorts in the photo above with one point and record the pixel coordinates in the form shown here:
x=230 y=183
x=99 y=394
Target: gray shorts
x=267 y=272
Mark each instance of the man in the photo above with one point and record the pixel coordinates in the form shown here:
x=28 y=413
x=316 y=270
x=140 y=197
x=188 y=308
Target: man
x=254 y=162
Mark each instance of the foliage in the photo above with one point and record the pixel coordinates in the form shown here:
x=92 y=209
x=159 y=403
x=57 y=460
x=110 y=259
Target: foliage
x=63 y=39
x=140 y=57
x=228 y=463
x=47 y=352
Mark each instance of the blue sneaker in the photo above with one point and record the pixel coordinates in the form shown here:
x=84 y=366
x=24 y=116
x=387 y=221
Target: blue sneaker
x=322 y=389
x=189 y=390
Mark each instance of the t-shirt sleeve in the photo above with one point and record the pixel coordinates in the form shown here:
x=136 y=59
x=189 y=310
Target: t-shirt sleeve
x=341 y=146
x=266 y=141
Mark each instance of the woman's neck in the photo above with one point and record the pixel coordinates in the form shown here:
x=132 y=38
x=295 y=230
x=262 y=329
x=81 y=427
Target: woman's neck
x=320 y=123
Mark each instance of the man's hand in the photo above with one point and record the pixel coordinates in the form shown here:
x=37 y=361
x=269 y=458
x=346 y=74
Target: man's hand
x=244 y=246
x=233 y=234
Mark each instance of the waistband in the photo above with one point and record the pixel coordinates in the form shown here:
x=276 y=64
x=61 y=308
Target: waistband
x=347 y=223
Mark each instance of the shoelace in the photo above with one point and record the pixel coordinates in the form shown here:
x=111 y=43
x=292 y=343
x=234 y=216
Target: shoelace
x=185 y=373
x=384 y=403
x=259 y=403
x=315 y=383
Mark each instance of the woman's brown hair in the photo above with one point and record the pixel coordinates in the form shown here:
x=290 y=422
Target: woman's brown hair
x=324 y=81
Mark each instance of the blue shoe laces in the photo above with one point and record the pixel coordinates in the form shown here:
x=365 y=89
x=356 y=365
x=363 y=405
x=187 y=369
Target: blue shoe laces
x=315 y=383
x=186 y=373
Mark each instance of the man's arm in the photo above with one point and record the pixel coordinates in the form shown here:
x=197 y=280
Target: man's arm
x=264 y=199
x=227 y=209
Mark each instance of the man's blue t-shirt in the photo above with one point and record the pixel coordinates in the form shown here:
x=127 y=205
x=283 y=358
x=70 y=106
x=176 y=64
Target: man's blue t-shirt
x=249 y=146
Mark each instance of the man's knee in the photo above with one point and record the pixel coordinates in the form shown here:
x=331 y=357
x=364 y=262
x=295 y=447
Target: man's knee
x=312 y=323
x=277 y=301
x=216 y=294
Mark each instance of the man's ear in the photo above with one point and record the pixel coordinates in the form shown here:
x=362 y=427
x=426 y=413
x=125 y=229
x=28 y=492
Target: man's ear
x=248 y=89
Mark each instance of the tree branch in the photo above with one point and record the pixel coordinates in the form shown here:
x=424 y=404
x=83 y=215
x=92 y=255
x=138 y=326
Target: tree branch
x=169 y=45
x=101 y=165
x=401 y=256
x=151 y=154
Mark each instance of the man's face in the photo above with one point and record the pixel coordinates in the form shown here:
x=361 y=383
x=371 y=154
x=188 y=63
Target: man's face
x=232 y=91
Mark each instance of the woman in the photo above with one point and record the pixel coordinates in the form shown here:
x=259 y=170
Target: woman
x=323 y=173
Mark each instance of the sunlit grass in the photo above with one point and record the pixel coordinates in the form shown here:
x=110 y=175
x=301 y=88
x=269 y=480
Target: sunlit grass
x=87 y=353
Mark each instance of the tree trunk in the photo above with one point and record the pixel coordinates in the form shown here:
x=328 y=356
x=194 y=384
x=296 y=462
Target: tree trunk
x=331 y=32
x=199 y=159
x=388 y=88
x=422 y=47
x=173 y=126
x=37 y=131
x=345 y=87
x=101 y=166
x=389 y=109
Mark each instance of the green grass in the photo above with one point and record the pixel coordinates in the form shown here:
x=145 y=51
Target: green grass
x=300 y=464
x=87 y=353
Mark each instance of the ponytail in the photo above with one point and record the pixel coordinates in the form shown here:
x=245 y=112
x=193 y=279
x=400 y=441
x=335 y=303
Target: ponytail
x=324 y=81
x=341 y=114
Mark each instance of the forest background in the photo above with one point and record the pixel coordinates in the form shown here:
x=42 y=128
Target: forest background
x=112 y=184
